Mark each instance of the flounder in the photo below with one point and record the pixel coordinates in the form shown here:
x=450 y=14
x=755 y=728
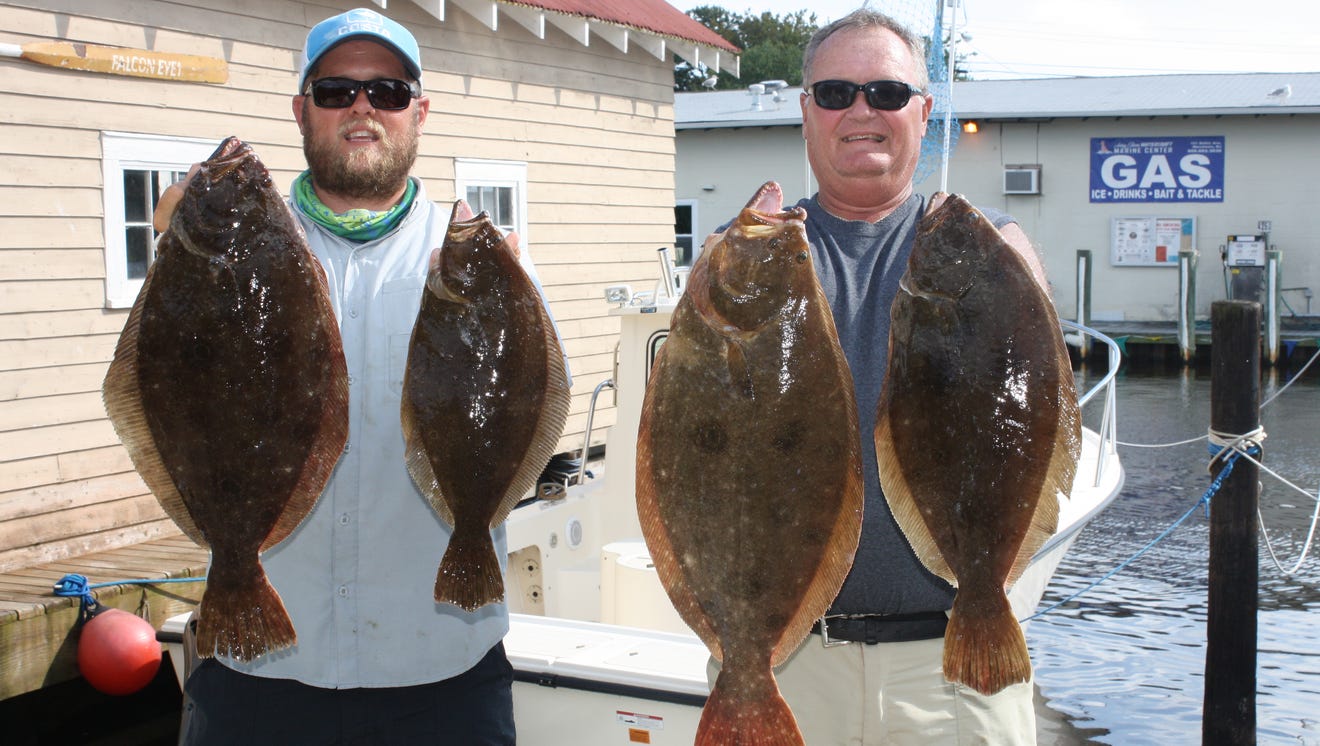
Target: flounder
x=749 y=484
x=977 y=431
x=485 y=397
x=230 y=391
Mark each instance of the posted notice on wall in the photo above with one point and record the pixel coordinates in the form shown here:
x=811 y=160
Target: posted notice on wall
x=1150 y=242
x=1157 y=169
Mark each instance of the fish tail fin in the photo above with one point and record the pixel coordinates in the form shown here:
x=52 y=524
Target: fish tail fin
x=469 y=576
x=984 y=647
x=760 y=720
x=243 y=620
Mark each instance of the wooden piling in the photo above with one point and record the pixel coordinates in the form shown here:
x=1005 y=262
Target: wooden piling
x=1229 y=710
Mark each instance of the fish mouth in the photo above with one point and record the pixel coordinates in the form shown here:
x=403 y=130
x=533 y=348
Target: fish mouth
x=227 y=157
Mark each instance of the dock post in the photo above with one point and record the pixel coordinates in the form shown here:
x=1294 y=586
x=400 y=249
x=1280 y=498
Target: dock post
x=1084 y=299
x=1229 y=711
x=1272 y=257
x=1187 y=304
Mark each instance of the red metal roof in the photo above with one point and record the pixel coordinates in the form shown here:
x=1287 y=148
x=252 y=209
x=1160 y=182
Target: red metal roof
x=655 y=16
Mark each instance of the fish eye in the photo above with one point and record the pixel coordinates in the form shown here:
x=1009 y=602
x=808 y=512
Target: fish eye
x=801 y=257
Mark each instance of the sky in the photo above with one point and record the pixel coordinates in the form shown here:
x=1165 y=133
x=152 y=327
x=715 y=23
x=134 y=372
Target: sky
x=1063 y=38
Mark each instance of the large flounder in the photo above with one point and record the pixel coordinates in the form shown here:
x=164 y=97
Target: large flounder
x=485 y=397
x=749 y=484
x=977 y=431
x=230 y=391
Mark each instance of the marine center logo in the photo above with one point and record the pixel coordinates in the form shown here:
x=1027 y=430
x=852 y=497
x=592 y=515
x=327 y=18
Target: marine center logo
x=1163 y=169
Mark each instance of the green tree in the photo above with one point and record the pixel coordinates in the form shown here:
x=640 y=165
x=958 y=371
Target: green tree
x=772 y=47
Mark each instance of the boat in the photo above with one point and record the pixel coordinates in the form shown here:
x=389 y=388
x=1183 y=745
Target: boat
x=600 y=655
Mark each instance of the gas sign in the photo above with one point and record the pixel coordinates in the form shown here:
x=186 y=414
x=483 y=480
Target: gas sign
x=1157 y=169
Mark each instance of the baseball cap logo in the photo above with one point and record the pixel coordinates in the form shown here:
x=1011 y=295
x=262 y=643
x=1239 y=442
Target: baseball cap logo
x=360 y=20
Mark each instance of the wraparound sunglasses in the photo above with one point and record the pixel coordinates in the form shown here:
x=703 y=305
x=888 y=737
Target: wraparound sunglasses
x=388 y=94
x=886 y=95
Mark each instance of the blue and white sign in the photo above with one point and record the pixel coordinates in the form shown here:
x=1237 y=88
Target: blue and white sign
x=1157 y=169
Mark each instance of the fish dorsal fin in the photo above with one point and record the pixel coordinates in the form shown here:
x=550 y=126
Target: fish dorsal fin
x=904 y=507
x=658 y=540
x=122 y=396
x=553 y=414
x=1058 y=480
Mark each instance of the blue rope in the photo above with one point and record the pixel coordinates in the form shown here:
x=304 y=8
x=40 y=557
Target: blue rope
x=74 y=584
x=1210 y=491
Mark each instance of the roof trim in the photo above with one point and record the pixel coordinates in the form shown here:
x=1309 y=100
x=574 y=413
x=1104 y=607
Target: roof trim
x=654 y=26
x=1201 y=95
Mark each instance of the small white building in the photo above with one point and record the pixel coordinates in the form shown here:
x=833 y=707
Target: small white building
x=1130 y=168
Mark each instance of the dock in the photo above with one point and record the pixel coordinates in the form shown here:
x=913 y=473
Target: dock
x=1159 y=340
x=38 y=639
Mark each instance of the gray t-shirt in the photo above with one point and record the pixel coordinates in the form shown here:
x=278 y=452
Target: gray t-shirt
x=859 y=265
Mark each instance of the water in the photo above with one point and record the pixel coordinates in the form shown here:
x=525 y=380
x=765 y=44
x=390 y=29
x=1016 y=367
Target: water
x=1124 y=663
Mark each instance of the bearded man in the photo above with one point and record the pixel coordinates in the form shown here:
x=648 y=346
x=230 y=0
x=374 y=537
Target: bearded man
x=377 y=660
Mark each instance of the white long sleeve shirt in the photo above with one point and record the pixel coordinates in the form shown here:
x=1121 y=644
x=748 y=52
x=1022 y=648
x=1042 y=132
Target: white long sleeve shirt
x=357 y=576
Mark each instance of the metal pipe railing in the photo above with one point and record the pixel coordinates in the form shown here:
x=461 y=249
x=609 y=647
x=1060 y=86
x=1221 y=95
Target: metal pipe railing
x=591 y=415
x=1108 y=431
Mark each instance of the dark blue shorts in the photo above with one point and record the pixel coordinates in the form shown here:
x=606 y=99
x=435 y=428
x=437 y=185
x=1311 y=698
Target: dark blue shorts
x=472 y=709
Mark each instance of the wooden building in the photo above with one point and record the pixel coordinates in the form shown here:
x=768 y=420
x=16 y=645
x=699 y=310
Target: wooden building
x=559 y=111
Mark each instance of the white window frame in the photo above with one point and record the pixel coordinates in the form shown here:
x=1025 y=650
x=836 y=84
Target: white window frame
x=479 y=172
x=691 y=204
x=124 y=151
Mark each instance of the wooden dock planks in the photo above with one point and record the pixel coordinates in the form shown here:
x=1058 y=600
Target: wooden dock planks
x=38 y=644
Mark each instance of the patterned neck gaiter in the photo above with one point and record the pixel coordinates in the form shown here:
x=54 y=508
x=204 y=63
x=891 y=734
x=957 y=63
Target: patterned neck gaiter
x=357 y=224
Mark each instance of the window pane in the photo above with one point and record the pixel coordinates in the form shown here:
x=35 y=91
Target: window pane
x=135 y=196
x=138 y=242
x=683 y=250
x=683 y=219
x=504 y=213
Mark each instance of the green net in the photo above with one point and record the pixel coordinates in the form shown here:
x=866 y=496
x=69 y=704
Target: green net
x=931 y=20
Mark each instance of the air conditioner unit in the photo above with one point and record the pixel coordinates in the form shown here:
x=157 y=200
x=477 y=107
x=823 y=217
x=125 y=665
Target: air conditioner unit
x=1022 y=179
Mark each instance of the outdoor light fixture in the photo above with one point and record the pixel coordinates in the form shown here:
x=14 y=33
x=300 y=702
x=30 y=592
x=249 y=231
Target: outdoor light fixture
x=971 y=127
x=620 y=294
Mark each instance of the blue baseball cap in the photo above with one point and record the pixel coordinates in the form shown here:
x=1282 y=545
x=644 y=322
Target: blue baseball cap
x=359 y=23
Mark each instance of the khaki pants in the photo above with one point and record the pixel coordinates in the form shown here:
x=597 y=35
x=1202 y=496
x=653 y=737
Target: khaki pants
x=895 y=693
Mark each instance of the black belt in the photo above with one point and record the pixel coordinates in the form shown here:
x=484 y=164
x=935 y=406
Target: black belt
x=876 y=628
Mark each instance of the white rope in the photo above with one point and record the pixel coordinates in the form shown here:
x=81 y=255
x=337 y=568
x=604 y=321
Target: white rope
x=1197 y=439
x=1310 y=534
x=1292 y=380
x=1241 y=443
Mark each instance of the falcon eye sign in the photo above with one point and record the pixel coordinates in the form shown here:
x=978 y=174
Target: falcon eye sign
x=1157 y=169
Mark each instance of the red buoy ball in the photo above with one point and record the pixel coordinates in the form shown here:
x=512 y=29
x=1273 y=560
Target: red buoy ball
x=118 y=652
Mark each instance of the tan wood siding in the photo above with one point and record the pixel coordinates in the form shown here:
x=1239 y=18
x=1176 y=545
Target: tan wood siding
x=593 y=125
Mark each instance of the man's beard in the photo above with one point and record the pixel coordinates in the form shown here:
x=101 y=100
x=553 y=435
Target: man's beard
x=364 y=174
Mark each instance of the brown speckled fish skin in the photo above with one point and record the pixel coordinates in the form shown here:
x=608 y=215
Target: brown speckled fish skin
x=978 y=430
x=749 y=481
x=229 y=389
x=485 y=397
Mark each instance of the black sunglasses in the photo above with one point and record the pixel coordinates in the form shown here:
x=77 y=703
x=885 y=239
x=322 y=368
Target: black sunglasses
x=886 y=95
x=388 y=94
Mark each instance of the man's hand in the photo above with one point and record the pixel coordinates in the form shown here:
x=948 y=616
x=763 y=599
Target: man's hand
x=169 y=199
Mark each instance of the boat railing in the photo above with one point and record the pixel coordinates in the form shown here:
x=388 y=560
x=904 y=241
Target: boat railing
x=608 y=383
x=1108 y=430
x=1106 y=385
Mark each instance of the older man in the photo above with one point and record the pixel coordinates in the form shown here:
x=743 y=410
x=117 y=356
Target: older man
x=865 y=107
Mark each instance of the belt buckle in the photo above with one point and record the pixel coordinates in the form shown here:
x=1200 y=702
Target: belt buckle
x=825 y=634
